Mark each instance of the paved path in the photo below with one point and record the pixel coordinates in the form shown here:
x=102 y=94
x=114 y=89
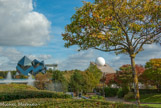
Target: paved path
x=115 y=99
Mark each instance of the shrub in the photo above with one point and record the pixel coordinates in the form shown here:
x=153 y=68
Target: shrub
x=110 y=92
x=1 y=77
x=121 y=92
x=97 y=97
x=70 y=103
x=7 y=96
x=149 y=91
x=99 y=91
x=22 y=91
x=128 y=96
x=21 y=77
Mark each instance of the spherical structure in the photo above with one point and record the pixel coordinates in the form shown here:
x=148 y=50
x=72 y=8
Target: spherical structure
x=100 y=61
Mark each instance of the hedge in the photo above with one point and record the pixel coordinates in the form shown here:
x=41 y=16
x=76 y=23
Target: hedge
x=122 y=92
x=110 y=92
x=70 y=103
x=7 y=96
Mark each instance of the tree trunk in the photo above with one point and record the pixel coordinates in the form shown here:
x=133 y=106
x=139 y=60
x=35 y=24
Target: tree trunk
x=135 y=76
x=103 y=80
x=158 y=87
x=103 y=89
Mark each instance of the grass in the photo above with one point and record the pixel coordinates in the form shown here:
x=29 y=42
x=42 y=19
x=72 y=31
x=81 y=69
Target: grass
x=152 y=105
x=65 y=103
x=149 y=98
x=15 y=87
x=10 y=92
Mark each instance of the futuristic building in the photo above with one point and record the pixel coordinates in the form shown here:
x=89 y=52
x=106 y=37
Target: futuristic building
x=105 y=68
x=26 y=66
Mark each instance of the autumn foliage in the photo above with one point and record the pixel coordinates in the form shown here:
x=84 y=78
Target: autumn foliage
x=124 y=77
x=41 y=80
x=109 y=78
x=152 y=74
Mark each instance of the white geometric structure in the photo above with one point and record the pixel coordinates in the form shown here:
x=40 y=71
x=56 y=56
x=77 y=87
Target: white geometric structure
x=100 y=61
x=105 y=68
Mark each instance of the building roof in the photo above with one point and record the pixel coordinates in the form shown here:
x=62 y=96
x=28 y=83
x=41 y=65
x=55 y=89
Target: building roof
x=25 y=61
x=105 y=69
x=35 y=62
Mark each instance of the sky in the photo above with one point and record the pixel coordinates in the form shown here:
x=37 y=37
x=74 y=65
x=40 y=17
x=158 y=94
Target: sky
x=34 y=27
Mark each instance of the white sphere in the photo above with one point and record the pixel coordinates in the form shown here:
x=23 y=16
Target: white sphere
x=100 y=61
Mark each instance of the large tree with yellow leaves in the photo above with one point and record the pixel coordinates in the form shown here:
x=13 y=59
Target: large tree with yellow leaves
x=152 y=73
x=123 y=26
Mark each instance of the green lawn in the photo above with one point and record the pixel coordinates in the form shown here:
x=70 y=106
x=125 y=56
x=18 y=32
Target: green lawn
x=152 y=105
x=15 y=87
x=149 y=98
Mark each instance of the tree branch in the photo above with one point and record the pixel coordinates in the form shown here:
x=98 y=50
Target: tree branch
x=117 y=18
x=144 y=42
x=115 y=49
x=133 y=36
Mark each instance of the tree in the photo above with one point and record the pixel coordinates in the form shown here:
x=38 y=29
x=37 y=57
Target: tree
x=59 y=81
x=110 y=79
x=152 y=73
x=124 y=75
x=41 y=80
x=68 y=74
x=95 y=71
x=58 y=76
x=77 y=82
x=92 y=76
x=85 y=81
x=123 y=26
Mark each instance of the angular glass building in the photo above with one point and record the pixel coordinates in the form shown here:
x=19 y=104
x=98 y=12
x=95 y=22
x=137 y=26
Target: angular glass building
x=26 y=66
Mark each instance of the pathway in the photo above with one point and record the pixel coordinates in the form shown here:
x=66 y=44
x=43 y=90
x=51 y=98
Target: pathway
x=115 y=99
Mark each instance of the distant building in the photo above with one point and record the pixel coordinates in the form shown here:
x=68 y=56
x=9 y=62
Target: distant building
x=51 y=66
x=26 y=66
x=101 y=64
x=105 y=69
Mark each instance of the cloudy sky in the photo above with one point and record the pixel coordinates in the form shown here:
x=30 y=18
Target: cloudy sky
x=33 y=28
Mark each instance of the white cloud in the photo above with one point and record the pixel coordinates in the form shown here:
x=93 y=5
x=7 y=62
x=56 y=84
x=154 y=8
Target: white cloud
x=79 y=60
x=9 y=58
x=11 y=54
x=82 y=59
x=150 y=51
x=40 y=57
x=20 y=25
